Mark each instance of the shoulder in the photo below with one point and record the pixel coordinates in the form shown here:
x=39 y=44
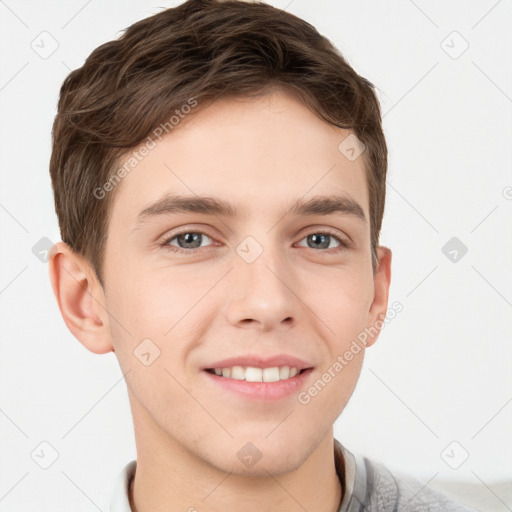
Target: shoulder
x=372 y=487
x=405 y=494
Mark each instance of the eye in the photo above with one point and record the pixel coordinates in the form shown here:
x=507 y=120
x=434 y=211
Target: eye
x=186 y=241
x=322 y=240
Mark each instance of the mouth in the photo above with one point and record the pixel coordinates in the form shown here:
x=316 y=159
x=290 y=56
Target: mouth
x=256 y=374
x=259 y=378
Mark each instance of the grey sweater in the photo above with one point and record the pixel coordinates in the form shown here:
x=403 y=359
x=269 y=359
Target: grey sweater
x=371 y=487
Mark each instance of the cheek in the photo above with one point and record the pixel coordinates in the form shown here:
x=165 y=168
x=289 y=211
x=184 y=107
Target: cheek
x=153 y=302
x=342 y=299
x=153 y=318
x=162 y=307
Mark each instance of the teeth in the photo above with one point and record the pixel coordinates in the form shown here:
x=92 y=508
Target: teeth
x=271 y=374
x=252 y=374
x=238 y=373
x=284 y=372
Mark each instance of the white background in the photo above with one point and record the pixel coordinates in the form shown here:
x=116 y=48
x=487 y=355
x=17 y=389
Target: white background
x=441 y=370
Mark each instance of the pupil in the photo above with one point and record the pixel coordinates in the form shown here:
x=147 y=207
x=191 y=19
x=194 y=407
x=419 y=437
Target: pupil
x=317 y=238
x=189 y=238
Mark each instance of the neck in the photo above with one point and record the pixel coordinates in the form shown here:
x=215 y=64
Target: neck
x=171 y=478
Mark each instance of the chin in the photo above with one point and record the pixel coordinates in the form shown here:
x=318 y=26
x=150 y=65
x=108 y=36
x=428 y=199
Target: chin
x=258 y=457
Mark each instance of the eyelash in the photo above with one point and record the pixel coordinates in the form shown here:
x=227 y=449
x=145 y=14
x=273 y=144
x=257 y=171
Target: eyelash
x=343 y=245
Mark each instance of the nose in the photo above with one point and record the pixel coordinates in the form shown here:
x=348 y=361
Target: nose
x=262 y=293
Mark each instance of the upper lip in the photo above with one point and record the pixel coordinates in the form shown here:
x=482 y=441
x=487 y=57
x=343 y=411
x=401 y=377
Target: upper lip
x=261 y=362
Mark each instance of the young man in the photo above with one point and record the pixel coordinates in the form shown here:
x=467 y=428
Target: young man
x=219 y=179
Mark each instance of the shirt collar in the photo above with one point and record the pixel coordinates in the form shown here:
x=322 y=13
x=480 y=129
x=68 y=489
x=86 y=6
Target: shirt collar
x=352 y=477
x=119 y=499
x=347 y=466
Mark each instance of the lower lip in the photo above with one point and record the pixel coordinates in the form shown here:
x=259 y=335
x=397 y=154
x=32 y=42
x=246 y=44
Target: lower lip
x=262 y=391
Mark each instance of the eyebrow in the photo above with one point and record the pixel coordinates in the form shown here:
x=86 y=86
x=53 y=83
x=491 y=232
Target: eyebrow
x=317 y=205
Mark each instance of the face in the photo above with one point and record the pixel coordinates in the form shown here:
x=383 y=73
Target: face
x=263 y=274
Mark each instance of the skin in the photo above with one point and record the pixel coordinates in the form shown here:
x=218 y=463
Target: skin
x=295 y=298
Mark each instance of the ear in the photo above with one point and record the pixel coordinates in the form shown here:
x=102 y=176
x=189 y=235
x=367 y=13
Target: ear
x=80 y=298
x=378 y=309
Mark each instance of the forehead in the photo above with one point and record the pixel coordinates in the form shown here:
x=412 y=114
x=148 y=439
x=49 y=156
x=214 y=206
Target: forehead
x=257 y=153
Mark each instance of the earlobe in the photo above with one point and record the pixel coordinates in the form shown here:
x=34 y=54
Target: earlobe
x=80 y=298
x=378 y=309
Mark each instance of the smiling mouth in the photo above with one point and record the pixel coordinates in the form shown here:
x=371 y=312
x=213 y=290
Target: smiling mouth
x=254 y=374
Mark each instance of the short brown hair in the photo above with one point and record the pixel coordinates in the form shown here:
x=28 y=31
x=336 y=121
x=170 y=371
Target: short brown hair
x=202 y=49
